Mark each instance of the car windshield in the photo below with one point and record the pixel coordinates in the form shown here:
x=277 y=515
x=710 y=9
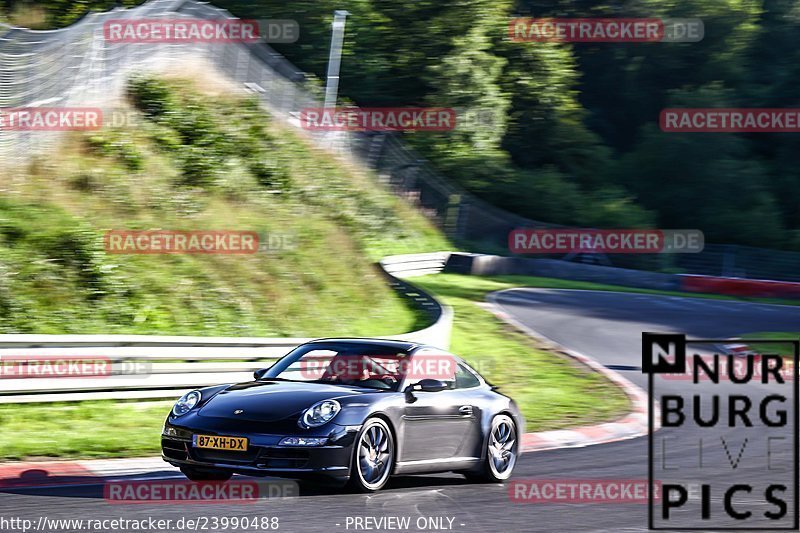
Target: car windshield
x=364 y=365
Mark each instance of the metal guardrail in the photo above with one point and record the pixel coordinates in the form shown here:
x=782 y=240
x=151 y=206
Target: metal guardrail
x=142 y=366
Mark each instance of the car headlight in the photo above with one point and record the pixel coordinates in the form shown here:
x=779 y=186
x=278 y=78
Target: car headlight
x=186 y=403
x=320 y=413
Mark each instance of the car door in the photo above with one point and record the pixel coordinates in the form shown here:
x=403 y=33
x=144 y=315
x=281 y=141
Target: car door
x=436 y=425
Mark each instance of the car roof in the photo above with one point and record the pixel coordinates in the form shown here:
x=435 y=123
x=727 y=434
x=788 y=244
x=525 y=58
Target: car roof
x=405 y=346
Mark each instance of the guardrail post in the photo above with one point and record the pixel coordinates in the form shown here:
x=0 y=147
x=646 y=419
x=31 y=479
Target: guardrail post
x=451 y=218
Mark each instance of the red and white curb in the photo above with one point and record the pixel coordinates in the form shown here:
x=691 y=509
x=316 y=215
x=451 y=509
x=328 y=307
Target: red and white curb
x=56 y=474
x=631 y=426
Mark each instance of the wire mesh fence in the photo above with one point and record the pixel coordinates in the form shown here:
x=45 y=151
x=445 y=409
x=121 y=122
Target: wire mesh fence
x=76 y=66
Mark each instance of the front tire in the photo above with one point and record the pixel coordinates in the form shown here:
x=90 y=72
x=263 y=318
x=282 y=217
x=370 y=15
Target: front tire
x=373 y=457
x=200 y=474
x=502 y=449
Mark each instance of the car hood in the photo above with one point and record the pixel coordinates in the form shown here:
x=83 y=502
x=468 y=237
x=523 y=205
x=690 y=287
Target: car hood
x=270 y=401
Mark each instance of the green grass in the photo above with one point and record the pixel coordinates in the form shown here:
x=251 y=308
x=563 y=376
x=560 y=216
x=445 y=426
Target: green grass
x=552 y=391
x=772 y=335
x=85 y=429
x=785 y=350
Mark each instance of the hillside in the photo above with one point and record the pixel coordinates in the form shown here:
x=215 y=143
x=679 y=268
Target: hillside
x=193 y=160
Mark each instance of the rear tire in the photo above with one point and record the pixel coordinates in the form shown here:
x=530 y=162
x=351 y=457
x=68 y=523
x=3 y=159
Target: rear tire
x=502 y=450
x=373 y=457
x=201 y=474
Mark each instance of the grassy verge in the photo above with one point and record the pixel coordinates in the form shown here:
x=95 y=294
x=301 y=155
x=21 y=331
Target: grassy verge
x=84 y=429
x=772 y=335
x=785 y=350
x=553 y=392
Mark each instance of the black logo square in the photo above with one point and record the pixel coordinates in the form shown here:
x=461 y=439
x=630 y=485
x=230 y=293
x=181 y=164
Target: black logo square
x=670 y=349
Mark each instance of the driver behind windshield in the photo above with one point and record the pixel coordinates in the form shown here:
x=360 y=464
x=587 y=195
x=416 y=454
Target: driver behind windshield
x=380 y=371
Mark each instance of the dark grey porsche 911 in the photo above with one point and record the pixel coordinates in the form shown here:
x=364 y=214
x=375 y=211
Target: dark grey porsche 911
x=352 y=411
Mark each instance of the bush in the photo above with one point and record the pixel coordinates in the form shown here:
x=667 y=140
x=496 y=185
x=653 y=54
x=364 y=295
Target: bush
x=165 y=138
x=83 y=182
x=52 y=244
x=270 y=174
x=118 y=146
x=77 y=249
x=151 y=96
x=197 y=168
x=202 y=139
x=131 y=157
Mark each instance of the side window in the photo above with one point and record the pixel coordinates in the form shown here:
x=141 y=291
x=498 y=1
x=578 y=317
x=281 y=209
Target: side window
x=431 y=364
x=465 y=379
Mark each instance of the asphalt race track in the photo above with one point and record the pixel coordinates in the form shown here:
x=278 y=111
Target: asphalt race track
x=604 y=325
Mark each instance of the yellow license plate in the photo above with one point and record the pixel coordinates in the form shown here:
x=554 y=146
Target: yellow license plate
x=237 y=444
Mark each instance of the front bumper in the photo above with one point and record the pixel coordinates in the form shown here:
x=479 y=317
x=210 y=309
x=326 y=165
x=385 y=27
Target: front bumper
x=263 y=456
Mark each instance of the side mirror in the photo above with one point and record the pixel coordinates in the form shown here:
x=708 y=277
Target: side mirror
x=258 y=374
